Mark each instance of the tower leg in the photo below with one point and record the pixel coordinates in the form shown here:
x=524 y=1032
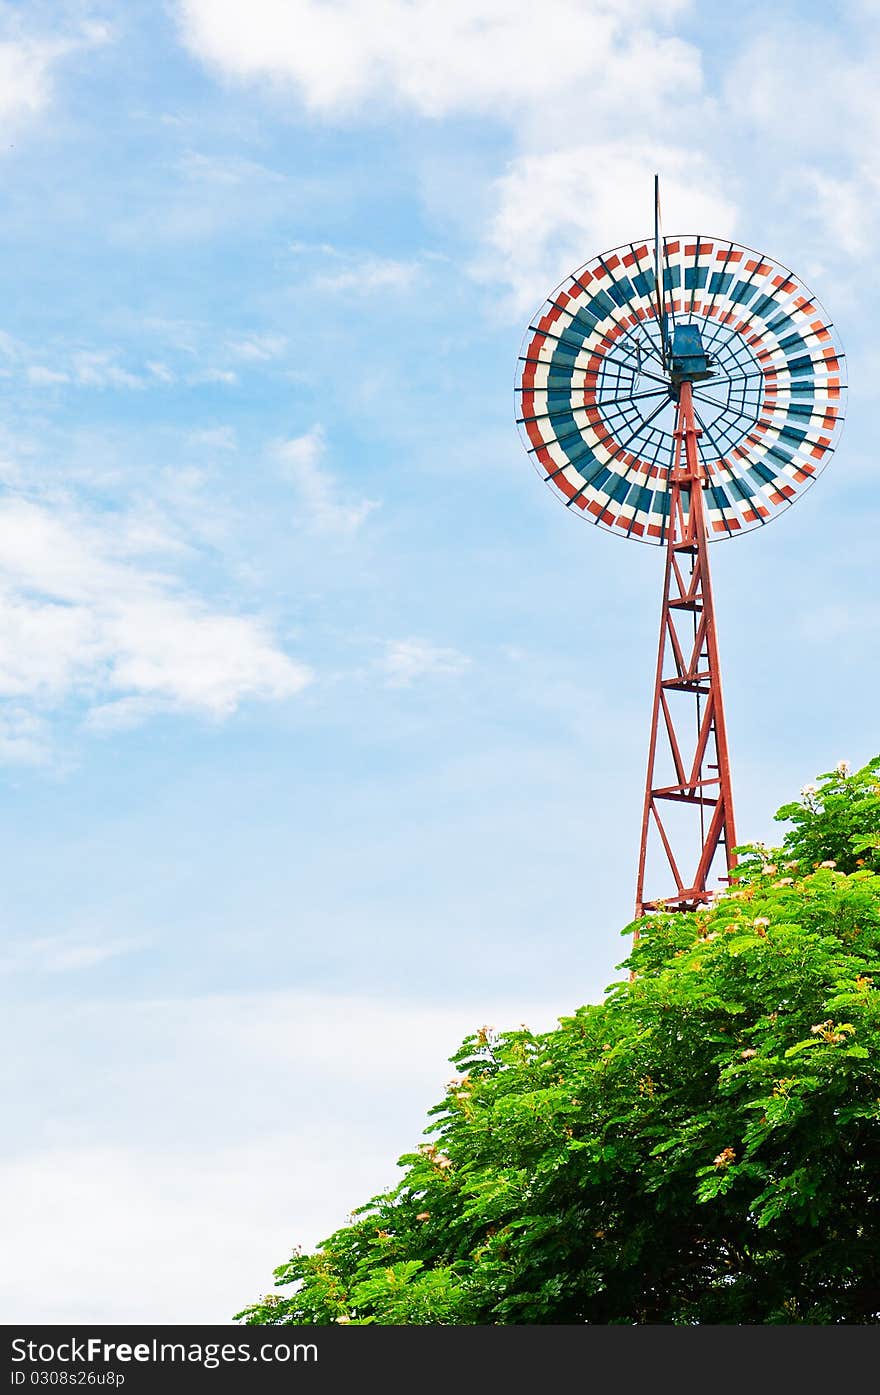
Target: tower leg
x=694 y=755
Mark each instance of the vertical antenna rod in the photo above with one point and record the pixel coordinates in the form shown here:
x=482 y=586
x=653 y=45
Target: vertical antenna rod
x=659 y=287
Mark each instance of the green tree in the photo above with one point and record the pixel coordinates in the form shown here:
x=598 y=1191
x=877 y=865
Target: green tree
x=839 y=819
x=701 y=1147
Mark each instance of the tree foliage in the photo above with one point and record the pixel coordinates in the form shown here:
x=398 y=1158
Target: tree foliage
x=701 y=1147
x=838 y=819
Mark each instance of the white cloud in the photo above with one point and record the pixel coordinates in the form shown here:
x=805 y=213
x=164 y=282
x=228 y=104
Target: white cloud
x=764 y=80
x=60 y=954
x=124 y=713
x=606 y=67
x=177 y=649
x=258 y=348
x=555 y=210
x=214 y=375
x=24 y=77
x=824 y=150
x=846 y=209
x=301 y=249
x=79 y=616
x=28 y=63
x=46 y=377
x=208 y=1136
x=160 y=371
x=227 y=169
x=367 y=275
x=98 y=368
x=160 y=353
x=318 y=490
x=206 y=195
x=443 y=56
x=406 y=660
x=357 y=273
x=823 y=626
x=24 y=737
x=206 y=1229
x=215 y=438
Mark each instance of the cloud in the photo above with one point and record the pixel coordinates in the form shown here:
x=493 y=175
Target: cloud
x=554 y=210
x=207 y=1136
x=214 y=437
x=824 y=625
x=763 y=81
x=361 y=277
x=204 y=196
x=100 y=368
x=46 y=377
x=124 y=713
x=356 y=273
x=207 y=1230
x=300 y=249
x=259 y=348
x=94 y=368
x=437 y=59
x=24 y=77
x=81 y=617
x=28 y=63
x=60 y=954
x=845 y=211
x=214 y=375
x=160 y=371
x=827 y=157
x=597 y=66
x=406 y=660
x=24 y=737
x=317 y=489
x=227 y=169
x=159 y=353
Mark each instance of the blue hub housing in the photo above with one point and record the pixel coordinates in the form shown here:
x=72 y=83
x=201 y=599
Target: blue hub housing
x=689 y=361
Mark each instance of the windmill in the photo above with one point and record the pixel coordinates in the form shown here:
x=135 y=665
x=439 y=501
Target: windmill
x=677 y=391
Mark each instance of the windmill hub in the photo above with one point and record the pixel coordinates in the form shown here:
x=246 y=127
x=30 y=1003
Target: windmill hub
x=688 y=360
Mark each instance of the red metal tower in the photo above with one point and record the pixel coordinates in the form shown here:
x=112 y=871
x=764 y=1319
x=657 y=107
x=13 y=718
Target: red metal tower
x=674 y=390
x=696 y=775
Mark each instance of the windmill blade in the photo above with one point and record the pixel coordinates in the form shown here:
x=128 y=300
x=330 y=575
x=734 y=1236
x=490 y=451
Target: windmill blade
x=771 y=413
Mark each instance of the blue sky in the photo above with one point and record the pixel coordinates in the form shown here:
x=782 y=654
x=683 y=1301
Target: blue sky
x=323 y=726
